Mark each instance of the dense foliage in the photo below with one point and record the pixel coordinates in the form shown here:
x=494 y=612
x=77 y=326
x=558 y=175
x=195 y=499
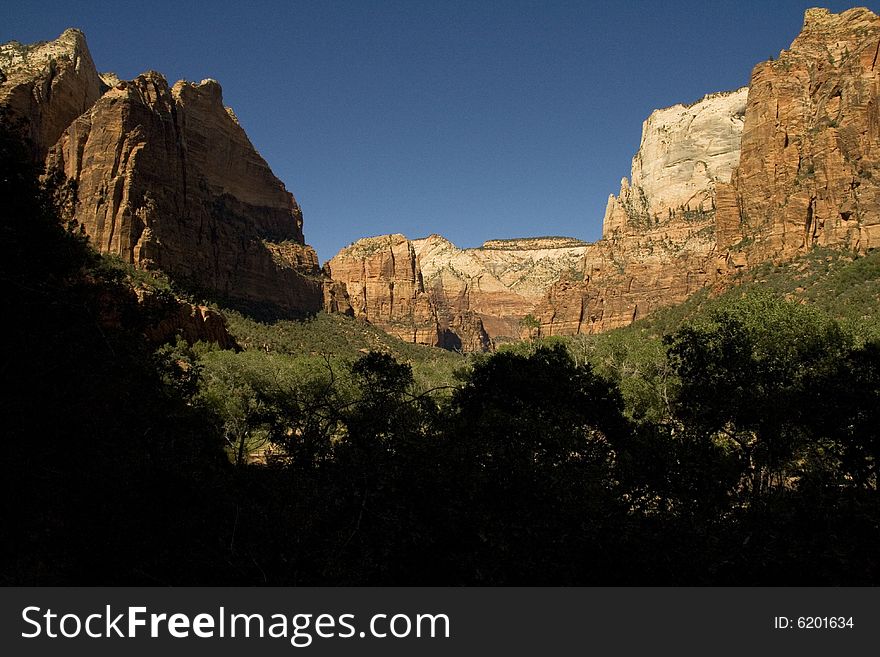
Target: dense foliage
x=734 y=440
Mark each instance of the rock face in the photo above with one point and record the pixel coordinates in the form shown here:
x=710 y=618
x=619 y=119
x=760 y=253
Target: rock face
x=48 y=84
x=167 y=179
x=737 y=178
x=171 y=317
x=809 y=173
x=462 y=299
x=499 y=283
x=806 y=175
x=384 y=286
x=660 y=234
x=629 y=276
x=658 y=247
x=685 y=151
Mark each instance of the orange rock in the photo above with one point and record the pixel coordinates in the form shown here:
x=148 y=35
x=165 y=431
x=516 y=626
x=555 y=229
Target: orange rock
x=384 y=287
x=809 y=173
x=167 y=179
x=49 y=84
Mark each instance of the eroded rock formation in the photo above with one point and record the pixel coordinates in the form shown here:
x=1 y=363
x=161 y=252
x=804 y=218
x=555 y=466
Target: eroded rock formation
x=660 y=234
x=806 y=175
x=48 y=84
x=808 y=172
x=169 y=317
x=500 y=282
x=684 y=152
x=167 y=179
x=384 y=286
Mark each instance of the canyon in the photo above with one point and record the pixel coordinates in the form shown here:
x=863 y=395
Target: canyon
x=737 y=178
x=167 y=179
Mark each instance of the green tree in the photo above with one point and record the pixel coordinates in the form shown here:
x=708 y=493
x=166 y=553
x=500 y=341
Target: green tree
x=745 y=375
x=532 y=446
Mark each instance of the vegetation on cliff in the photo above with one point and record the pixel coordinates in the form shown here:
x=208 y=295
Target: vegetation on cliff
x=730 y=441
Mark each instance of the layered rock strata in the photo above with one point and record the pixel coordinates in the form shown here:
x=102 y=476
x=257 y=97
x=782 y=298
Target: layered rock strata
x=685 y=151
x=804 y=173
x=383 y=285
x=462 y=299
x=500 y=282
x=661 y=233
x=166 y=178
x=808 y=174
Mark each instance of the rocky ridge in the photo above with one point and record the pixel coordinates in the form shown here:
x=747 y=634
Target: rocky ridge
x=455 y=298
x=737 y=178
x=659 y=238
x=166 y=177
x=49 y=84
x=803 y=177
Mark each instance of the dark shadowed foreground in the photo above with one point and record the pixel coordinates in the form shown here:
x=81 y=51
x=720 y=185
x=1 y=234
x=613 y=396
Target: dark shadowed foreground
x=756 y=465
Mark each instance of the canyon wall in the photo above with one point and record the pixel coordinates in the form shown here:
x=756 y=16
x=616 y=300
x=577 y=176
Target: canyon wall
x=684 y=152
x=433 y=292
x=705 y=201
x=383 y=285
x=48 y=84
x=166 y=178
x=500 y=282
x=659 y=237
x=808 y=174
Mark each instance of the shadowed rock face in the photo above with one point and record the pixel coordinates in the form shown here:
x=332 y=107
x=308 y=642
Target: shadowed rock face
x=49 y=84
x=808 y=172
x=167 y=179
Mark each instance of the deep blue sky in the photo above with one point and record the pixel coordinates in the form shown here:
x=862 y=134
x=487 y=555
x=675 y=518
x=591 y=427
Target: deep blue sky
x=475 y=120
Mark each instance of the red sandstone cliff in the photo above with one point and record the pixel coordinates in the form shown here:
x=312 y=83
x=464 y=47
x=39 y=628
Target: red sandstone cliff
x=808 y=173
x=383 y=285
x=167 y=179
x=48 y=84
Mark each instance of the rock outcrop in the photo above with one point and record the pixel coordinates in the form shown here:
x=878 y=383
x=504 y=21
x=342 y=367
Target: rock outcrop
x=384 y=286
x=48 y=84
x=684 y=152
x=629 y=276
x=808 y=173
x=500 y=282
x=169 y=317
x=703 y=202
x=462 y=299
x=660 y=235
x=166 y=178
